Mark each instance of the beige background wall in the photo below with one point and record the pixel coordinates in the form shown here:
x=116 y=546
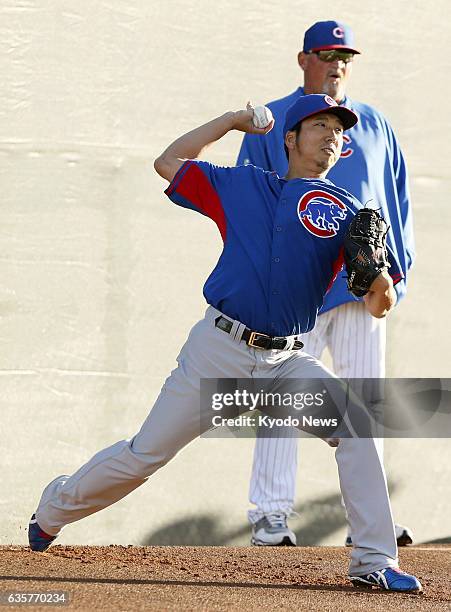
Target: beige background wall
x=101 y=277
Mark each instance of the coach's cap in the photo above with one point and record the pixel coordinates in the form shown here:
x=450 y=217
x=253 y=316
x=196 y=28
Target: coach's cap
x=307 y=106
x=324 y=35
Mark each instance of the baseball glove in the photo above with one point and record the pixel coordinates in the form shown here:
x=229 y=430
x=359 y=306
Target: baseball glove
x=365 y=251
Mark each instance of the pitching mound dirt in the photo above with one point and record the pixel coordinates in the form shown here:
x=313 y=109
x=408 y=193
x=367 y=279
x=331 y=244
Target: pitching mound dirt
x=216 y=578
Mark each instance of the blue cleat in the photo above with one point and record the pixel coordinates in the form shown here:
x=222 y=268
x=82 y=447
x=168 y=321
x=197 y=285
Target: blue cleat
x=38 y=539
x=390 y=579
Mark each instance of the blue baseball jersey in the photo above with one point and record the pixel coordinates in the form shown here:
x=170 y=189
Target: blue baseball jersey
x=282 y=241
x=371 y=167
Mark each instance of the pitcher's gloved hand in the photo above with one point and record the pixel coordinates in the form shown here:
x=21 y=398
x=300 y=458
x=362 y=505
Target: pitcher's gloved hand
x=365 y=251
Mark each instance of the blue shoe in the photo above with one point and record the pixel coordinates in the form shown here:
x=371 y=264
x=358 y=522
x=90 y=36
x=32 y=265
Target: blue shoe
x=38 y=539
x=390 y=579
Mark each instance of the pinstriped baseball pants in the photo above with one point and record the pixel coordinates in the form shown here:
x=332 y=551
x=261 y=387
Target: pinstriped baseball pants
x=176 y=419
x=356 y=341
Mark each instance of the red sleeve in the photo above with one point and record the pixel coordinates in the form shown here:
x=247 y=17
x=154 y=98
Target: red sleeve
x=192 y=188
x=336 y=267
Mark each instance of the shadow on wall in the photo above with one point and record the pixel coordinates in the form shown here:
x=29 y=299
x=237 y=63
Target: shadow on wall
x=316 y=521
x=440 y=541
x=319 y=519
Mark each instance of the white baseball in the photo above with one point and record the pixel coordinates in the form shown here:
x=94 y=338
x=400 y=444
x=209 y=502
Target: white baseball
x=262 y=116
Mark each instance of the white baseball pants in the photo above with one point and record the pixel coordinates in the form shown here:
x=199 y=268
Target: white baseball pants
x=356 y=341
x=175 y=420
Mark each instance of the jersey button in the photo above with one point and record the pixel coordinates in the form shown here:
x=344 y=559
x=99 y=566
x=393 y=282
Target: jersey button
x=276 y=259
x=278 y=228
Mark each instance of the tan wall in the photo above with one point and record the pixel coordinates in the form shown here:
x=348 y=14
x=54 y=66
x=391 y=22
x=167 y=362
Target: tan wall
x=101 y=278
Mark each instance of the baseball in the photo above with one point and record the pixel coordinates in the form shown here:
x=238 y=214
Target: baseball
x=262 y=116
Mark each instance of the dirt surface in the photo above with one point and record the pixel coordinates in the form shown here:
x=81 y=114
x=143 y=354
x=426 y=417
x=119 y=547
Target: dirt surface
x=216 y=578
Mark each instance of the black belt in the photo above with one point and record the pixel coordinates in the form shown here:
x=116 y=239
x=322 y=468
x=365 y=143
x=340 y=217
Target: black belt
x=258 y=340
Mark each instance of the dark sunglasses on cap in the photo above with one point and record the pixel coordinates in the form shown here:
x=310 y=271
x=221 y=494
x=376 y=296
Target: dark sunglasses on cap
x=332 y=55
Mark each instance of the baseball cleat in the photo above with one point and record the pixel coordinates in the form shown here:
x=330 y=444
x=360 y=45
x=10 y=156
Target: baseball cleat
x=38 y=539
x=390 y=579
x=404 y=536
x=272 y=530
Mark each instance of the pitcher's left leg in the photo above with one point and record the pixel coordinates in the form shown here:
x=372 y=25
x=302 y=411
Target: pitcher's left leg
x=364 y=489
x=362 y=478
x=357 y=344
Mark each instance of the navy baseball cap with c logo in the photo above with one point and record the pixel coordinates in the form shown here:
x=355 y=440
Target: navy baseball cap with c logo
x=324 y=35
x=313 y=104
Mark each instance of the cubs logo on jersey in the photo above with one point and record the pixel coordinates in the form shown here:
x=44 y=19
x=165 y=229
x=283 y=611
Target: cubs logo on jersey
x=320 y=213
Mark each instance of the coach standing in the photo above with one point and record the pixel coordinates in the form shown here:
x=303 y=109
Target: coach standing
x=371 y=167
